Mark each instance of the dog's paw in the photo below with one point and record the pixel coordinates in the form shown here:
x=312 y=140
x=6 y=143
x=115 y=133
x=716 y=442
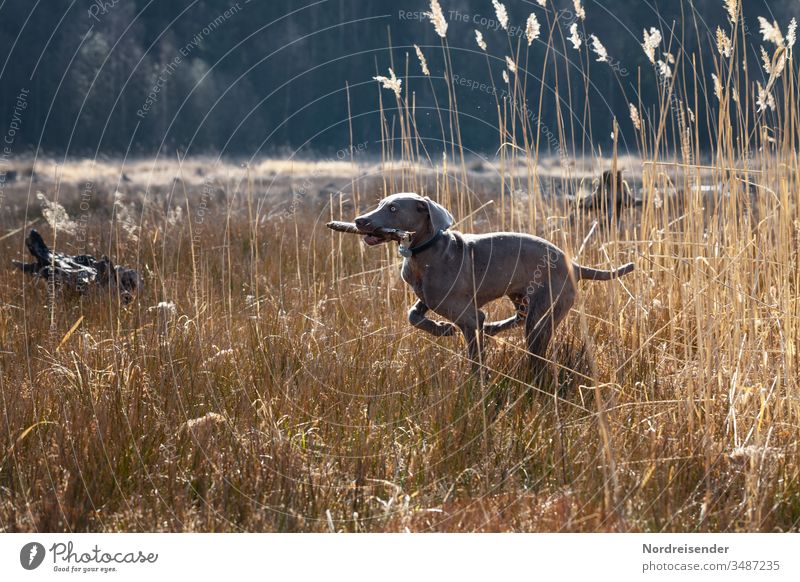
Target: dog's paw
x=444 y=328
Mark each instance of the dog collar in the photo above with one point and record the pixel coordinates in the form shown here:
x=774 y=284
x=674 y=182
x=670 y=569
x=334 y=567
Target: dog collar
x=409 y=252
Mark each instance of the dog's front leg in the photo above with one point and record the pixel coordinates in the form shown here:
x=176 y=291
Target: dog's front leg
x=416 y=317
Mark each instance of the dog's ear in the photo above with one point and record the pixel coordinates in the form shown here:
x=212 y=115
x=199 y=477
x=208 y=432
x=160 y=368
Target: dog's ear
x=441 y=219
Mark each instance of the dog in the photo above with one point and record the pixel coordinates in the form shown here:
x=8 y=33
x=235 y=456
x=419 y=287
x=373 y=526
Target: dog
x=455 y=274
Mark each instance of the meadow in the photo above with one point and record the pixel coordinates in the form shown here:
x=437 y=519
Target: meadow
x=266 y=378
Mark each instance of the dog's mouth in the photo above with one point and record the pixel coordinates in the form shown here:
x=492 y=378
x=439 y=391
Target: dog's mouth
x=380 y=235
x=375 y=239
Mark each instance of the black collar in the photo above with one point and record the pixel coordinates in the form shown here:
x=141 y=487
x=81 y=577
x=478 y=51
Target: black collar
x=411 y=251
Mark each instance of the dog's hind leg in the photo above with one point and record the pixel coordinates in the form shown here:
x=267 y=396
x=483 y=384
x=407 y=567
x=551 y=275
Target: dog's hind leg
x=547 y=308
x=495 y=327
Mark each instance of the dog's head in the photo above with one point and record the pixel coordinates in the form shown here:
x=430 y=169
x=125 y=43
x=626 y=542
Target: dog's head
x=409 y=212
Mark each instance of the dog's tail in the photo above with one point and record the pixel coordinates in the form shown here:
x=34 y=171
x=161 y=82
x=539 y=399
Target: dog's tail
x=599 y=274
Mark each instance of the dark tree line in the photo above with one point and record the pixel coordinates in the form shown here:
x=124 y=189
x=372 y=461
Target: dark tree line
x=270 y=76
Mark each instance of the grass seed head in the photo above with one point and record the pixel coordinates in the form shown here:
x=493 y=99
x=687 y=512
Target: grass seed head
x=479 y=40
x=574 y=37
x=764 y=99
x=502 y=13
x=422 y=62
x=56 y=215
x=391 y=82
x=651 y=41
x=533 y=29
x=717 y=86
x=436 y=16
x=579 y=11
x=599 y=49
x=512 y=66
x=724 y=45
x=664 y=69
x=731 y=6
x=770 y=32
x=635 y=118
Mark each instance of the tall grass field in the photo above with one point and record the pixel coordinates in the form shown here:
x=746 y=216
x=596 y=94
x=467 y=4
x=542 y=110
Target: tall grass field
x=266 y=378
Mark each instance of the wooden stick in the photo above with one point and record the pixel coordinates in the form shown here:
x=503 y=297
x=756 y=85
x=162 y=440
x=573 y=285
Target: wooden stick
x=351 y=228
x=344 y=227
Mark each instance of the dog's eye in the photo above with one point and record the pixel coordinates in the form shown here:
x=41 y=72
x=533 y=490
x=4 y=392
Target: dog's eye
x=393 y=208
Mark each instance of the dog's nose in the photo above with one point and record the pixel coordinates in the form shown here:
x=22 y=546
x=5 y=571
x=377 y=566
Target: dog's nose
x=362 y=223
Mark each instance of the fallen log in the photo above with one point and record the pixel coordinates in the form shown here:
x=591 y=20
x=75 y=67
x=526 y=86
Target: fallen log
x=79 y=272
x=612 y=193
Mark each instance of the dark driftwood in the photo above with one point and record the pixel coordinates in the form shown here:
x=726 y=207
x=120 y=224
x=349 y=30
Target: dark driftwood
x=610 y=196
x=79 y=272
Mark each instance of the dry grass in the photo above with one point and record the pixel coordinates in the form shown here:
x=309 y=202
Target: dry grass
x=286 y=392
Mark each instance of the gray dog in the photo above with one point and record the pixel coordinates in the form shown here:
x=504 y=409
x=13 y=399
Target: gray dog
x=455 y=274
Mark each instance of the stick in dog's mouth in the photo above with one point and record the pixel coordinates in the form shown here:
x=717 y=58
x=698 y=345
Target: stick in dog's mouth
x=377 y=236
